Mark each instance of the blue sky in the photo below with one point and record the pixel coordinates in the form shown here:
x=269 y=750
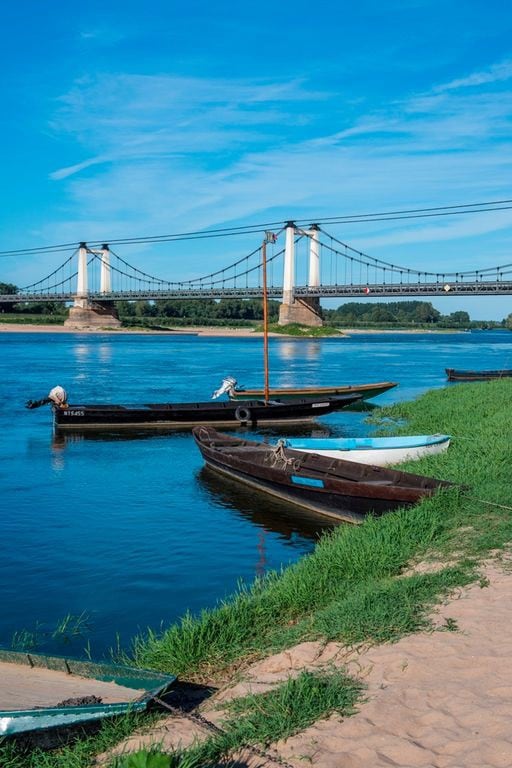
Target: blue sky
x=128 y=119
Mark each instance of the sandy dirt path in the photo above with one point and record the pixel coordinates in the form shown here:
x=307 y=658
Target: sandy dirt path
x=441 y=699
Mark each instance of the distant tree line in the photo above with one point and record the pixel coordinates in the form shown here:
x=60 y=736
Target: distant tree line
x=397 y=313
x=31 y=308
x=198 y=312
x=352 y=314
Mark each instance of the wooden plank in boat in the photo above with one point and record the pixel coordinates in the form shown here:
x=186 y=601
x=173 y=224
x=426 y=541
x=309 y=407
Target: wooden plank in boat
x=24 y=687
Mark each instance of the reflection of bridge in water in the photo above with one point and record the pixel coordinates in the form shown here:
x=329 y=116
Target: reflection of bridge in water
x=311 y=265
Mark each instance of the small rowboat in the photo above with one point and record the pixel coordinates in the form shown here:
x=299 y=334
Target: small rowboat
x=380 y=451
x=39 y=693
x=455 y=375
x=284 y=394
x=343 y=490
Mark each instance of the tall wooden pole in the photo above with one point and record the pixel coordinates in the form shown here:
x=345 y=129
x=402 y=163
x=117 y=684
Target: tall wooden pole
x=265 y=315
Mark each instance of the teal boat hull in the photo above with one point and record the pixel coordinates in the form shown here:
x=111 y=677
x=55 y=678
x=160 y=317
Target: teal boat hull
x=145 y=684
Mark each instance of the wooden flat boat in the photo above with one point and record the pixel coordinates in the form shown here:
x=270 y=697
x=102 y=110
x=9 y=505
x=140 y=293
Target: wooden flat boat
x=184 y=415
x=381 y=451
x=284 y=394
x=455 y=375
x=39 y=693
x=343 y=490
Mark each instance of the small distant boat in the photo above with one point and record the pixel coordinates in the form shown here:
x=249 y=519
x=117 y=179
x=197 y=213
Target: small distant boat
x=39 y=693
x=185 y=415
x=455 y=375
x=380 y=451
x=284 y=394
x=343 y=490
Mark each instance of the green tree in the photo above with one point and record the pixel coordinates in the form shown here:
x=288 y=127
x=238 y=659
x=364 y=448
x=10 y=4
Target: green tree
x=7 y=289
x=459 y=318
x=425 y=313
x=381 y=314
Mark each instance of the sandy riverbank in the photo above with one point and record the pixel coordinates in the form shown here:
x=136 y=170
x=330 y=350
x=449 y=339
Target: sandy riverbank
x=439 y=699
x=193 y=330
x=199 y=331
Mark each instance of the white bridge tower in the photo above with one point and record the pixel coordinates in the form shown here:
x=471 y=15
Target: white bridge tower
x=303 y=310
x=95 y=313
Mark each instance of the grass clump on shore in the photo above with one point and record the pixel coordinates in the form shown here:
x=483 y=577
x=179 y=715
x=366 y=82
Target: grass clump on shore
x=302 y=331
x=262 y=719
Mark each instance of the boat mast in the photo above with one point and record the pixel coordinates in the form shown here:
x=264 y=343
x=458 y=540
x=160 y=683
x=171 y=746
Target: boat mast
x=269 y=238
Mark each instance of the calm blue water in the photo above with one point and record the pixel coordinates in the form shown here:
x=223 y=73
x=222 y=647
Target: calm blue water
x=133 y=533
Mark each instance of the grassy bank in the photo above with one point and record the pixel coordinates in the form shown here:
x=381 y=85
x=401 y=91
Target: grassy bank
x=347 y=588
x=302 y=331
x=360 y=583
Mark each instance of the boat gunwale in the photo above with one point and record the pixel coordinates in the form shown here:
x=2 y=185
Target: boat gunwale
x=150 y=683
x=336 y=443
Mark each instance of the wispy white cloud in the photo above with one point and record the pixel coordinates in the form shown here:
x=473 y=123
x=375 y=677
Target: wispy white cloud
x=130 y=116
x=167 y=154
x=497 y=73
x=63 y=173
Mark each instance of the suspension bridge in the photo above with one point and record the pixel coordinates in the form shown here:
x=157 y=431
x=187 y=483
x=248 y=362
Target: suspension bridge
x=311 y=265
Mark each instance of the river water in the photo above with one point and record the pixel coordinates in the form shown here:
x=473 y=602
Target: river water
x=131 y=533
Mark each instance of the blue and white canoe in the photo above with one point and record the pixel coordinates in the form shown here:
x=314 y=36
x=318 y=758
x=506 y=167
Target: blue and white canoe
x=379 y=451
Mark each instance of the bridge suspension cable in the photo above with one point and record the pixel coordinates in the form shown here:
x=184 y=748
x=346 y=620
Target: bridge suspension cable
x=144 y=277
x=364 y=258
x=450 y=210
x=45 y=279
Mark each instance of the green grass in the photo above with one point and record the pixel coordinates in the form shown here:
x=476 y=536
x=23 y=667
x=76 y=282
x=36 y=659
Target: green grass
x=262 y=719
x=358 y=586
x=27 y=319
x=281 y=608
x=154 y=758
x=306 y=331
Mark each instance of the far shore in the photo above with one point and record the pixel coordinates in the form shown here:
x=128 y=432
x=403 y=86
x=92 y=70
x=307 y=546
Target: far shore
x=199 y=331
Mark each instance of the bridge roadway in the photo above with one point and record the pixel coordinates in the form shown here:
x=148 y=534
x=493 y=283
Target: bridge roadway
x=479 y=288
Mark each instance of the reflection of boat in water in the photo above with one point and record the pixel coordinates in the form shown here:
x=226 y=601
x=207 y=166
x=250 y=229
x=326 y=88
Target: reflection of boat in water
x=273 y=515
x=40 y=693
x=63 y=438
x=456 y=375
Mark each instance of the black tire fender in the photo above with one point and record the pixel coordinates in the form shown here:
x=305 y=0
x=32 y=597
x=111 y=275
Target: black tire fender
x=242 y=414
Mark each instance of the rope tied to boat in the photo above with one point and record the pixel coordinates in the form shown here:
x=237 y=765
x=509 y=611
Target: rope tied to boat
x=277 y=457
x=198 y=719
x=492 y=504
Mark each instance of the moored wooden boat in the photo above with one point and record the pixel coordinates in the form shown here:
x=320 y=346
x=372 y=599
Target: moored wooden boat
x=456 y=375
x=41 y=693
x=284 y=394
x=185 y=415
x=380 y=451
x=343 y=490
